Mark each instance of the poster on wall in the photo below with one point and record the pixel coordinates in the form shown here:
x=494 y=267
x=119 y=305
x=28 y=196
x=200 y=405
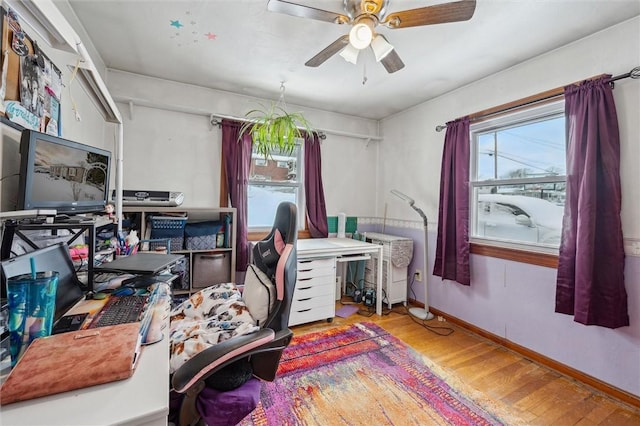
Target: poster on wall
x=30 y=82
x=31 y=87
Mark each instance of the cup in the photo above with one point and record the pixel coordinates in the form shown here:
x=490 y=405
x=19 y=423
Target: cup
x=32 y=304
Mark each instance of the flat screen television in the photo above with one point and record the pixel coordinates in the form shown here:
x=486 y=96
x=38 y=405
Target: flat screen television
x=60 y=174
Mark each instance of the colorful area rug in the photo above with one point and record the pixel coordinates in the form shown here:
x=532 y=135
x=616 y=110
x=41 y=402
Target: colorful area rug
x=360 y=375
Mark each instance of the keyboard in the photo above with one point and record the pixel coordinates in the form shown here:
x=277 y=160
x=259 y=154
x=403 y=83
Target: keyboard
x=120 y=310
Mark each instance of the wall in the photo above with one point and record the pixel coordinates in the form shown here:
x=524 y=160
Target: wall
x=180 y=151
x=509 y=299
x=90 y=128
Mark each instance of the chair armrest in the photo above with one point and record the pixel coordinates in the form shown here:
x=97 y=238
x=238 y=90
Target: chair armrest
x=265 y=362
x=282 y=339
x=214 y=358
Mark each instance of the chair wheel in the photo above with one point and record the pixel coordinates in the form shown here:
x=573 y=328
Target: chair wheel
x=329 y=319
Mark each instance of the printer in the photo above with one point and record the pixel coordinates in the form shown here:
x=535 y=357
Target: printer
x=150 y=198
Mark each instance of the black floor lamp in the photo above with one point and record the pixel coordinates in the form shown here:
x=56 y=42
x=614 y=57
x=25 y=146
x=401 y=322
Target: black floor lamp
x=420 y=313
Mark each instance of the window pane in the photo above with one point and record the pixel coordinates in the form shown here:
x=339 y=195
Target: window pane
x=277 y=168
x=531 y=150
x=263 y=201
x=521 y=213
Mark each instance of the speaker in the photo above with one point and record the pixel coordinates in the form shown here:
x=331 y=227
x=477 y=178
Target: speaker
x=369 y=298
x=357 y=295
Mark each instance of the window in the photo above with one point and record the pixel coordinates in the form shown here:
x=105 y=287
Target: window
x=271 y=181
x=518 y=179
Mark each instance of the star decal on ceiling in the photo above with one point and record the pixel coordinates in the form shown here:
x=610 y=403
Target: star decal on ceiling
x=210 y=36
x=176 y=24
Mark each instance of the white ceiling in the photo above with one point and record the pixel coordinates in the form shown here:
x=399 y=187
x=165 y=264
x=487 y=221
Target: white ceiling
x=254 y=50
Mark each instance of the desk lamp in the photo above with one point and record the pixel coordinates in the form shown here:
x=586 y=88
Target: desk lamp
x=419 y=313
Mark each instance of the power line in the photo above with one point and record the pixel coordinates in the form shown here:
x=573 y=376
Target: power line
x=515 y=160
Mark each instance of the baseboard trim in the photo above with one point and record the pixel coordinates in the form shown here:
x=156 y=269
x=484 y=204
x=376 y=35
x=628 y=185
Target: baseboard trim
x=571 y=372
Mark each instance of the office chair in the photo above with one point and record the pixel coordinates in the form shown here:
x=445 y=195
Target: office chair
x=217 y=383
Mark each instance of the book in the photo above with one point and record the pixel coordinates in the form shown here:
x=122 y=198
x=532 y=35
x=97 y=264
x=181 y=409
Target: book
x=73 y=360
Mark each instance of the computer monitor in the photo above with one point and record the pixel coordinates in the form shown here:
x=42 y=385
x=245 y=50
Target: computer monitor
x=57 y=173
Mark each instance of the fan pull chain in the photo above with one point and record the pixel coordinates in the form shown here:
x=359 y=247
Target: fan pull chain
x=364 y=73
x=282 y=101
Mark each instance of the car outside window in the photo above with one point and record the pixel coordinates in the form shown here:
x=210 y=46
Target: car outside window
x=518 y=179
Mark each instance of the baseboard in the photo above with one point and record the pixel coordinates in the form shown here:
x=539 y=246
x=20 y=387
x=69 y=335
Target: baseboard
x=588 y=380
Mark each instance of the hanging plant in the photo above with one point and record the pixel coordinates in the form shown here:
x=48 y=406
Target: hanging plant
x=274 y=129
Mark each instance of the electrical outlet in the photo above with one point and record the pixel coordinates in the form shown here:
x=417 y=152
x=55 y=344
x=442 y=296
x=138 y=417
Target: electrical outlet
x=418 y=275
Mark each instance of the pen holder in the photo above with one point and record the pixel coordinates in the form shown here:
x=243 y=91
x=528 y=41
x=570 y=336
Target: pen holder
x=32 y=304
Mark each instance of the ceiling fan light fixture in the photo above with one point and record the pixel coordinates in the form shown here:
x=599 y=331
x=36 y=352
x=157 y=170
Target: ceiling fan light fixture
x=350 y=54
x=381 y=47
x=360 y=35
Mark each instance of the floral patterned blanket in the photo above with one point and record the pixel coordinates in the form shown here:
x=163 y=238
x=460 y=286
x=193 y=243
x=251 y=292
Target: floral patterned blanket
x=210 y=316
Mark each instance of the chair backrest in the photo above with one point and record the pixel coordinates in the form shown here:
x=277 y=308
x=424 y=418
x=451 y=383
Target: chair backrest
x=276 y=256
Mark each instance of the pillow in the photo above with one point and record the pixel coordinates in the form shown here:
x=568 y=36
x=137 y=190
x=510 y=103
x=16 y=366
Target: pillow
x=259 y=294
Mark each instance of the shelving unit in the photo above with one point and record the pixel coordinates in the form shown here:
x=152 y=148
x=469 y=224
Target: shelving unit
x=14 y=229
x=203 y=267
x=396 y=255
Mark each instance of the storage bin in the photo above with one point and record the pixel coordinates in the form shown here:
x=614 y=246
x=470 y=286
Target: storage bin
x=168 y=227
x=168 y=222
x=177 y=239
x=210 y=268
x=201 y=235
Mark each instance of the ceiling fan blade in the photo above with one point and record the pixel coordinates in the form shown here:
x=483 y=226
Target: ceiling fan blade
x=328 y=51
x=392 y=62
x=293 y=9
x=441 y=13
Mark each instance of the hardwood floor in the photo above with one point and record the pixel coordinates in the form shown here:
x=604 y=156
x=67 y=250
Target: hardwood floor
x=531 y=392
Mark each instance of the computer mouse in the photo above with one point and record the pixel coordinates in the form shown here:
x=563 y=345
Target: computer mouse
x=100 y=296
x=123 y=291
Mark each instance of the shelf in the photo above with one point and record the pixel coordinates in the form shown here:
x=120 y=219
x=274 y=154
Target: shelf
x=185 y=251
x=202 y=265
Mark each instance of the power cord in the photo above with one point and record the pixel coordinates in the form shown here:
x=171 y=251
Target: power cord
x=440 y=331
x=345 y=302
x=368 y=311
x=8 y=176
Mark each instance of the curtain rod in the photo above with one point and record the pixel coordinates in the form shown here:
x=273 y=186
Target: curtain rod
x=541 y=97
x=212 y=117
x=321 y=132
x=218 y=122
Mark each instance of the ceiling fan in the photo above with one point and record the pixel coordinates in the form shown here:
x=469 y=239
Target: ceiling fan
x=364 y=16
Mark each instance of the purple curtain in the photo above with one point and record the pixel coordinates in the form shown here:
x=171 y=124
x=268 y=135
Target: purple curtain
x=314 y=192
x=452 y=246
x=237 y=162
x=590 y=283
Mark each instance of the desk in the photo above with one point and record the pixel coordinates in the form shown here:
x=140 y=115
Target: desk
x=142 y=399
x=343 y=250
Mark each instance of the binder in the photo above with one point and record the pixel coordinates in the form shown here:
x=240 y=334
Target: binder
x=73 y=360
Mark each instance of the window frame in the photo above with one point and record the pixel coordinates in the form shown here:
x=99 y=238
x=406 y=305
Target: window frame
x=532 y=253
x=300 y=192
x=256 y=235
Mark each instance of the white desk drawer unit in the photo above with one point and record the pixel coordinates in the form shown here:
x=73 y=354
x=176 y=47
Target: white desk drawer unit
x=314 y=295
